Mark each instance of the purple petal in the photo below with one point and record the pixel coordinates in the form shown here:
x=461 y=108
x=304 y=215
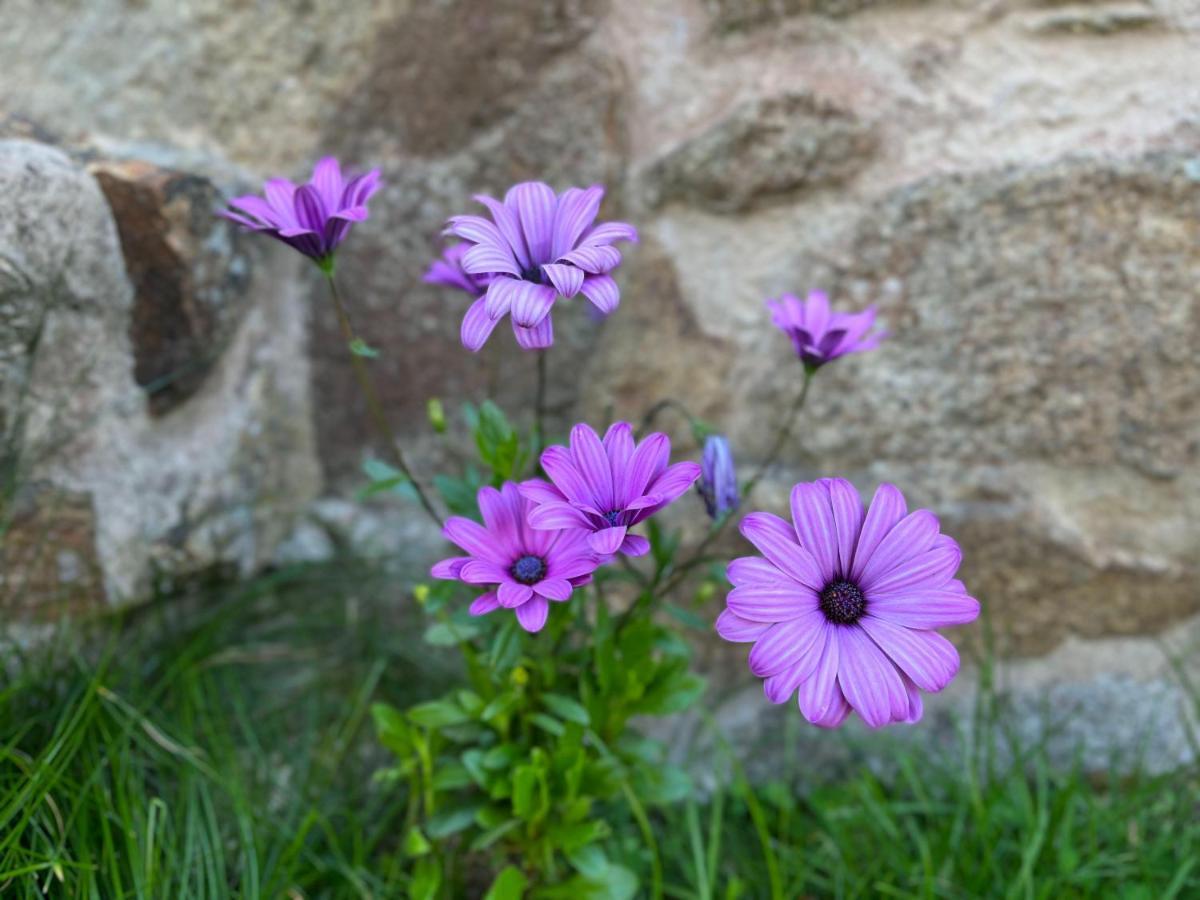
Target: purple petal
x=484 y=604
x=511 y=595
x=537 y=491
x=478 y=230
x=602 y=291
x=361 y=188
x=931 y=569
x=771 y=603
x=787 y=644
x=837 y=713
x=488 y=259
x=531 y=303
x=635 y=545
x=510 y=226
x=847 y=520
x=280 y=193
x=912 y=536
x=310 y=210
x=675 y=480
x=327 y=179
x=258 y=208
x=887 y=508
x=916 y=707
x=477 y=326
x=576 y=211
x=559 y=465
x=592 y=462
x=815 y=528
x=776 y=539
x=926 y=657
x=937 y=608
x=608 y=540
x=566 y=279
x=594 y=260
x=819 y=695
x=868 y=679
x=553 y=588
x=449 y=569
x=778 y=688
x=481 y=571
x=539 y=337
x=532 y=614
x=649 y=460
x=573 y=567
x=557 y=515
x=619 y=445
x=755 y=570
x=733 y=627
x=816 y=319
x=535 y=204
x=607 y=232
x=473 y=538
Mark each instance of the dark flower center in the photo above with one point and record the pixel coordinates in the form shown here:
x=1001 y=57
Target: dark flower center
x=528 y=569
x=613 y=517
x=534 y=274
x=843 y=602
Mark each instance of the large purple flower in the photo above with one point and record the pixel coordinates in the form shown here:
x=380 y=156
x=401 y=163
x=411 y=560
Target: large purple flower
x=522 y=568
x=820 y=335
x=607 y=487
x=448 y=270
x=538 y=247
x=843 y=607
x=313 y=218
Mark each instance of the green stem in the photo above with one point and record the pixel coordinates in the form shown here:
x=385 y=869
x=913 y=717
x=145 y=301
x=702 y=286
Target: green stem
x=780 y=441
x=539 y=409
x=373 y=405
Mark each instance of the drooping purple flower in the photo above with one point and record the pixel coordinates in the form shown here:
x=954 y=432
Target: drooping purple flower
x=523 y=568
x=820 y=335
x=842 y=609
x=314 y=217
x=607 y=486
x=447 y=270
x=718 y=477
x=538 y=247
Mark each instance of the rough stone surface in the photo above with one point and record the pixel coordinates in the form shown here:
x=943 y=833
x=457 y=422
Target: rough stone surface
x=764 y=148
x=1014 y=184
x=99 y=494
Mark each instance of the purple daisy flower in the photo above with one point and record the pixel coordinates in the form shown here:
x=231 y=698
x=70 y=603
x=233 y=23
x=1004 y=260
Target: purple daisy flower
x=820 y=335
x=447 y=270
x=607 y=487
x=718 y=477
x=538 y=247
x=313 y=218
x=843 y=607
x=523 y=568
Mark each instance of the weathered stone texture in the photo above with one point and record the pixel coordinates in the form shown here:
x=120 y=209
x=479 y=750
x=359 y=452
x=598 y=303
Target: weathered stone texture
x=97 y=494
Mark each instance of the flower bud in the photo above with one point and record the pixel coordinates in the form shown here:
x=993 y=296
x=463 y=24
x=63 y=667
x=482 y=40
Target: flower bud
x=718 y=478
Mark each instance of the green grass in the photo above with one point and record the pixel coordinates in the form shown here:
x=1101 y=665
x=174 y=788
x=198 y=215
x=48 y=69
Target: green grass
x=218 y=745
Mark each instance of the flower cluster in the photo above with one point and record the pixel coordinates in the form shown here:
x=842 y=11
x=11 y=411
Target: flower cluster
x=543 y=538
x=843 y=604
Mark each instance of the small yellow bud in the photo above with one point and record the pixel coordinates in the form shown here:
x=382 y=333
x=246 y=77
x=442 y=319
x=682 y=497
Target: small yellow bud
x=437 y=415
x=706 y=592
x=421 y=593
x=520 y=677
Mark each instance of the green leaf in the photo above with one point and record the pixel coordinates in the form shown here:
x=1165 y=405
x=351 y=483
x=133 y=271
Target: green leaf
x=566 y=708
x=450 y=634
x=437 y=714
x=385 y=479
x=510 y=884
x=524 y=781
x=393 y=730
x=686 y=617
x=452 y=821
x=494 y=834
x=359 y=348
x=415 y=843
x=506 y=646
x=427 y=878
x=589 y=861
x=548 y=723
x=459 y=493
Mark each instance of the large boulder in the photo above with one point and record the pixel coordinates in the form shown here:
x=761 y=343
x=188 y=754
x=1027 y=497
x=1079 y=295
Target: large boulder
x=104 y=490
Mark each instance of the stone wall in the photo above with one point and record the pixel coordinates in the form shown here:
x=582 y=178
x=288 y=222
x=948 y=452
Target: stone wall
x=1015 y=183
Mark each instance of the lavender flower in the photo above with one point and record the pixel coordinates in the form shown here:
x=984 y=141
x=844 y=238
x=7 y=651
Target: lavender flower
x=448 y=270
x=843 y=607
x=718 y=477
x=820 y=335
x=607 y=487
x=313 y=218
x=538 y=247
x=523 y=569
